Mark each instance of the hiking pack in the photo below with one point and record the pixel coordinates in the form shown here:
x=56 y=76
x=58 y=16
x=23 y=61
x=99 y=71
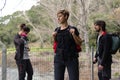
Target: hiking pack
x=78 y=47
x=115 y=43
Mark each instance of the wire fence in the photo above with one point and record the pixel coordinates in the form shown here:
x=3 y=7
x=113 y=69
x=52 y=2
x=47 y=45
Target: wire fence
x=42 y=63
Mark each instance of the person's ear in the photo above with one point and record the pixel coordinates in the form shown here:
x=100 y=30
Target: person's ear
x=100 y=28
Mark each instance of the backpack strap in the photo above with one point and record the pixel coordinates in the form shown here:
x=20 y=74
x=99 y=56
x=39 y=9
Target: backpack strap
x=57 y=29
x=69 y=27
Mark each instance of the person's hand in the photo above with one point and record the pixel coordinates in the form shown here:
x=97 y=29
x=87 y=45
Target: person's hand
x=24 y=36
x=54 y=33
x=94 y=60
x=28 y=49
x=72 y=31
x=100 y=67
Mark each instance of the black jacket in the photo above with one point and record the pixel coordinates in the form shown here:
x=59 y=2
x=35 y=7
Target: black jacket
x=19 y=45
x=104 y=47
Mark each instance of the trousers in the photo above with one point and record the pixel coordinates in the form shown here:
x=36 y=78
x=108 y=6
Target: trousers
x=105 y=74
x=60 y=64
x=24 y=67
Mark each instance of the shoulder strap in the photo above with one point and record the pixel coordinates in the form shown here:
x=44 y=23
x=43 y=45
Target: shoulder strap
x=69 y=27
x=57 y=29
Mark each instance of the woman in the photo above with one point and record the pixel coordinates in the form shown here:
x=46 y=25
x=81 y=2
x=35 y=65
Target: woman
x=22 y=56
x=66 y=55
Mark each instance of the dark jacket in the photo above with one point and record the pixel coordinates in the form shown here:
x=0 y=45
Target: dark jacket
x=19 y=45
x=104 y=48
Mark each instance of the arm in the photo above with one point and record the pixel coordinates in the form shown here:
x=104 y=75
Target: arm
x=77 y=39
x=19 y=45
x=76 y=36
x=106 y=48
x=54 y=34
x=95 y=58
x=18 y=40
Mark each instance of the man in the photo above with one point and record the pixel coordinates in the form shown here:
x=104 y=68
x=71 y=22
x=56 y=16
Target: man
x=103 y=55
x=67 y=37
x=22 y=56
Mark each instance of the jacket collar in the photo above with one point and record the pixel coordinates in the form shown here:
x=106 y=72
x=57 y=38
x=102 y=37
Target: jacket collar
x=103 y=33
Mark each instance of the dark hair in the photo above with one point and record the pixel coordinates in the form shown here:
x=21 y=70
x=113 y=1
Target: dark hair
x=22 y=26
x=26 y=29
x=101 y=23
x=64 y=12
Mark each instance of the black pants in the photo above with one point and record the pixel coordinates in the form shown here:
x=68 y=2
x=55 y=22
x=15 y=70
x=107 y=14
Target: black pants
x=105 y=74
x=72 y=65
x=24 y=67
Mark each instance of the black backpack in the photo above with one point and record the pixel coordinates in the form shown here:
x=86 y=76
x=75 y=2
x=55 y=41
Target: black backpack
x=115 y=43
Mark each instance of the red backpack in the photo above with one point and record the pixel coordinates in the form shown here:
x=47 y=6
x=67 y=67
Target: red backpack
x=78 y=47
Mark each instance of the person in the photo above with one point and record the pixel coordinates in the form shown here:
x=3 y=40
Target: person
x=22 y=56
x=103 y=55
x=66 y=55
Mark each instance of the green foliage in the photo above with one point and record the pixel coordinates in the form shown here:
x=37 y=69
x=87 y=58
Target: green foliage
x=39 y=16
x=9 y=28
x=32 y=49
x=115 y=4
x=32 y=38
x=43 y=24
x=111 y=27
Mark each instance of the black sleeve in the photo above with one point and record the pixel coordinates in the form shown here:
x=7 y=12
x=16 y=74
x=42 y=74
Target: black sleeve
x=76 y=31
x=57 y=29
x=18 y=40
x=96 y=55
x=106 y=50
x=19 y=45
x=25 y=38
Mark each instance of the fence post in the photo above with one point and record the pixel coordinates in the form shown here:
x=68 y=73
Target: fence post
x=92 y=65
x=4 y=62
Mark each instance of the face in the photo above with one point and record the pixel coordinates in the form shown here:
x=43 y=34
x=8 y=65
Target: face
x=61 y=18
x=25 y=32
x=97 y=28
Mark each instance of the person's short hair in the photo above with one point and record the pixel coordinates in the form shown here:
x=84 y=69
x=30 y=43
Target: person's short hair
x=26 y=29
x=64 y=12
x=101 y=23
x=22 y=26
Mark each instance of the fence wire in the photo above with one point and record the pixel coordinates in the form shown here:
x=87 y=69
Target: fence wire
x=42 y=63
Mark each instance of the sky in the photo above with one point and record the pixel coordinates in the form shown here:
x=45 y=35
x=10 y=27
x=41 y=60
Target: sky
x=15 y=5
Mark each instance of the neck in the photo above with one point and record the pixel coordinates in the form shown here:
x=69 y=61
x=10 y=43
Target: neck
x=100 y=32
x=64 y=25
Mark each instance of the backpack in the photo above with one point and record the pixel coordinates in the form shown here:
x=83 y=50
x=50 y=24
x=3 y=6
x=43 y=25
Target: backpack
x=78 y=47
x=115 y=43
